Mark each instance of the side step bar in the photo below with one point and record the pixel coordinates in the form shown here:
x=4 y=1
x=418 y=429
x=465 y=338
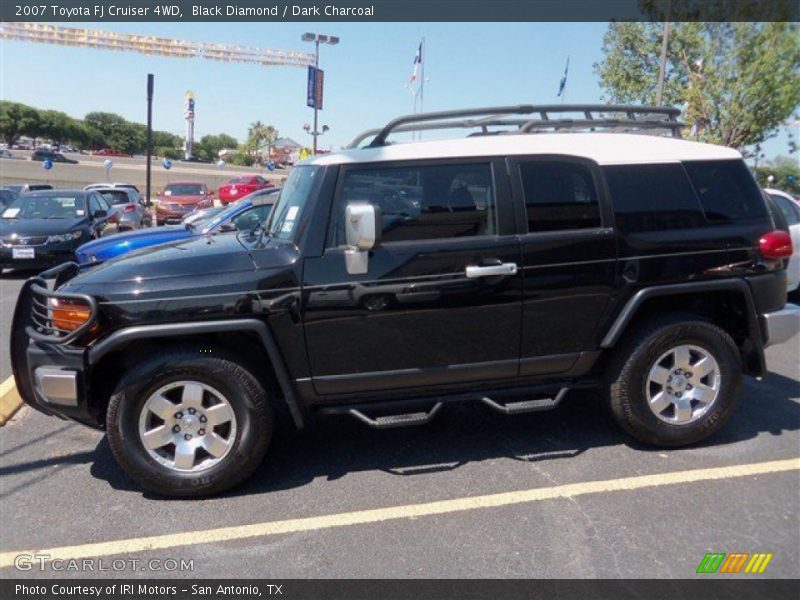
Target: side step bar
x=525 y=406
x=423 y=417
x=401 y=420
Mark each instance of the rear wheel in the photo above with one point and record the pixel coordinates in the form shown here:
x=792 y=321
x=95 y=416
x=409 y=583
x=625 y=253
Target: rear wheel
x=674 y=382
x=188 y=423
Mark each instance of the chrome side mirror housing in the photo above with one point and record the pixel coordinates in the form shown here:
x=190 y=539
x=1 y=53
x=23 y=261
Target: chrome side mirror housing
x=362 y=223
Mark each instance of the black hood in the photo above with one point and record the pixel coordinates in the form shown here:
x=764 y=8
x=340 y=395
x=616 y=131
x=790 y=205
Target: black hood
x=204 y=265
x=32 y=227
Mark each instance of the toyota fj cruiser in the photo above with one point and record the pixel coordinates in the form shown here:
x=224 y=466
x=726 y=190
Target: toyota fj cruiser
x=536 y=256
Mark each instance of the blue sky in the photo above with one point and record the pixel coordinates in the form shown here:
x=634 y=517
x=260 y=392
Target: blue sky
x=467 y=64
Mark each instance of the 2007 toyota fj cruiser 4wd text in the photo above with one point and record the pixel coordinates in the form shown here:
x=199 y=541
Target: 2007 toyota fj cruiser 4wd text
x=536 y=256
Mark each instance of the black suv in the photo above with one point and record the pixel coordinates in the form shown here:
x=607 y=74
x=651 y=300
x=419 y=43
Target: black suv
x=508 y=267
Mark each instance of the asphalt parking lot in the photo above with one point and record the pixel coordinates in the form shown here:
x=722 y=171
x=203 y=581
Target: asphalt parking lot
x=475 y=494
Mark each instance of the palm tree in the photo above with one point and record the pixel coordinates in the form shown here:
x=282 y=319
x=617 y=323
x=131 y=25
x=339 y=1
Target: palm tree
x=260 y=134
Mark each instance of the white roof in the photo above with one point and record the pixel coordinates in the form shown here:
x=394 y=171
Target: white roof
x=603 y=148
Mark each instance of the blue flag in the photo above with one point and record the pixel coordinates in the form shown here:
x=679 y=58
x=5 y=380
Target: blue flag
x=563 y=83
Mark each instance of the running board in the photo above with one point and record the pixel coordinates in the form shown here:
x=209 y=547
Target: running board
x=401 y=420
x=524 y=406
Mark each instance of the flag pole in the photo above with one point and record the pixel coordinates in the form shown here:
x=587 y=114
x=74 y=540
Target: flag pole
x=422 y=75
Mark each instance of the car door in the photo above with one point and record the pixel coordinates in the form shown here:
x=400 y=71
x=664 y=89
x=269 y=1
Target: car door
x=569 y=260
x=440 y=302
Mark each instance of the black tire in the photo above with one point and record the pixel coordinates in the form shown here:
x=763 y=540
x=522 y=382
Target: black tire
x=628 y=370
x=247 y=398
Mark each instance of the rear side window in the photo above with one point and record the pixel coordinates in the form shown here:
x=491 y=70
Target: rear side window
x=726 y=190
x=559 y=196
x=423 y=202
x=652 y=198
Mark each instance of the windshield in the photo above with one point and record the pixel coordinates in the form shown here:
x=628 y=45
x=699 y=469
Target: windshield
x=294 y=196
x=184 y=189
x=240 y=180
x=116 y=197
x=61 y=206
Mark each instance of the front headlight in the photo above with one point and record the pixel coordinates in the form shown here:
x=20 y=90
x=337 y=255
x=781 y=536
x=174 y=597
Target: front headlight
x=64 y=237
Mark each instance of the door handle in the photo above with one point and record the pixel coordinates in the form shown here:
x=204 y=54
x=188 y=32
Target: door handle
x=474 y=272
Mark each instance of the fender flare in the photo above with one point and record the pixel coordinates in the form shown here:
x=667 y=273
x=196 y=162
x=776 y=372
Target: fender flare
x=740 y=286
x=138 y=332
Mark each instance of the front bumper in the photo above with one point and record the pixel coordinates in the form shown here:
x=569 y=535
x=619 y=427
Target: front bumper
x=782 y=325
x=47 y=255
x=51 y=376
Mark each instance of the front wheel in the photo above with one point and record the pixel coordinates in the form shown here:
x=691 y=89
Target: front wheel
x=187 y=423
x=675 y=382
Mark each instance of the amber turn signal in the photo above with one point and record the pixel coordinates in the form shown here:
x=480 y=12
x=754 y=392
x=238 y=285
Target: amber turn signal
x=67 y=315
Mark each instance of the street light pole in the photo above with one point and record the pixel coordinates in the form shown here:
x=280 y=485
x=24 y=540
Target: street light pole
x=316 y=109
x=149 y=136
x=318 y=39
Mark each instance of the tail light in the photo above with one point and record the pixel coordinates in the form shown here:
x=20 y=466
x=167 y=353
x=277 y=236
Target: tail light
x=130 y=208
x=775 y=245
x=68 y=315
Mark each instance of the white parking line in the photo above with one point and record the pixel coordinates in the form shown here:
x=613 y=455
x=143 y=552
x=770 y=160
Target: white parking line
x=409 y=511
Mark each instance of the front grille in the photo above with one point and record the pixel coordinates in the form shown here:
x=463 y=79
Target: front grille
x=43 y=324
x=24 y=240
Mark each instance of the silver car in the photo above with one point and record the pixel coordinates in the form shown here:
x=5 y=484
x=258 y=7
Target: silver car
x=128 y=205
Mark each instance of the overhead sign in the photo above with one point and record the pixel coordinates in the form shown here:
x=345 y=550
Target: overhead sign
x=316 y=79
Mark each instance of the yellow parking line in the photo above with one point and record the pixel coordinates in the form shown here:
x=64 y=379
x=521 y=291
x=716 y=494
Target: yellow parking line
x=9 y=400
x=409 y=511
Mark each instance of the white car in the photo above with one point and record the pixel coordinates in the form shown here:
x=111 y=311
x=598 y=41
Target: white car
x=791 y=212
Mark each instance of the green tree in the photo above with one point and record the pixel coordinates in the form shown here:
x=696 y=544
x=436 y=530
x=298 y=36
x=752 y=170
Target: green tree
x=118 y=133
x=210 y=146
x=785 y=173
x=260 y=135
x=17 y=120
x=738 y=82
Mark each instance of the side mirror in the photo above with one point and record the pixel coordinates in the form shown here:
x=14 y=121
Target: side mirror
x=99 y=214
x=363 y=228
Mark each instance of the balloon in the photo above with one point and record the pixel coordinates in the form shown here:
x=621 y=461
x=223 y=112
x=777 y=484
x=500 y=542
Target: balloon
x=167 y=164
x=108 y=163
x=47 y=164
x=271 y=166
x=221 y=164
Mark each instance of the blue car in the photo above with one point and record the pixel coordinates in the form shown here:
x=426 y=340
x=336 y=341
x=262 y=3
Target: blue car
x=247 y=213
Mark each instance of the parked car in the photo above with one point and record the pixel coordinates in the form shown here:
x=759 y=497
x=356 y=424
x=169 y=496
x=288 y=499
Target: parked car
x=6 y=198
x=94 y=186
x=55 y=157
x=128 y=205
x=239 y=187
x=790 y=210
x=110 y=152
x=244 y=215
x=24 y=188
x=507 y=270
x=8 y=154
x=42 y=229
x=180 y=198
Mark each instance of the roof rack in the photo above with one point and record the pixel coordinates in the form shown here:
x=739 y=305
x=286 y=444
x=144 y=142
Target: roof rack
x=613 y=117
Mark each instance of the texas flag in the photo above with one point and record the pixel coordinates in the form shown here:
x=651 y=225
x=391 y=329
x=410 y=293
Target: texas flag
x=417 y=63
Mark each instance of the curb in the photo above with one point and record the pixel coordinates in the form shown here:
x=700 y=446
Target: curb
x=10 y=401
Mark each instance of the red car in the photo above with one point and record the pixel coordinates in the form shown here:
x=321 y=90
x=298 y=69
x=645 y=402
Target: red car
x=239 y=187
x=180 y=198
x=109 y=152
